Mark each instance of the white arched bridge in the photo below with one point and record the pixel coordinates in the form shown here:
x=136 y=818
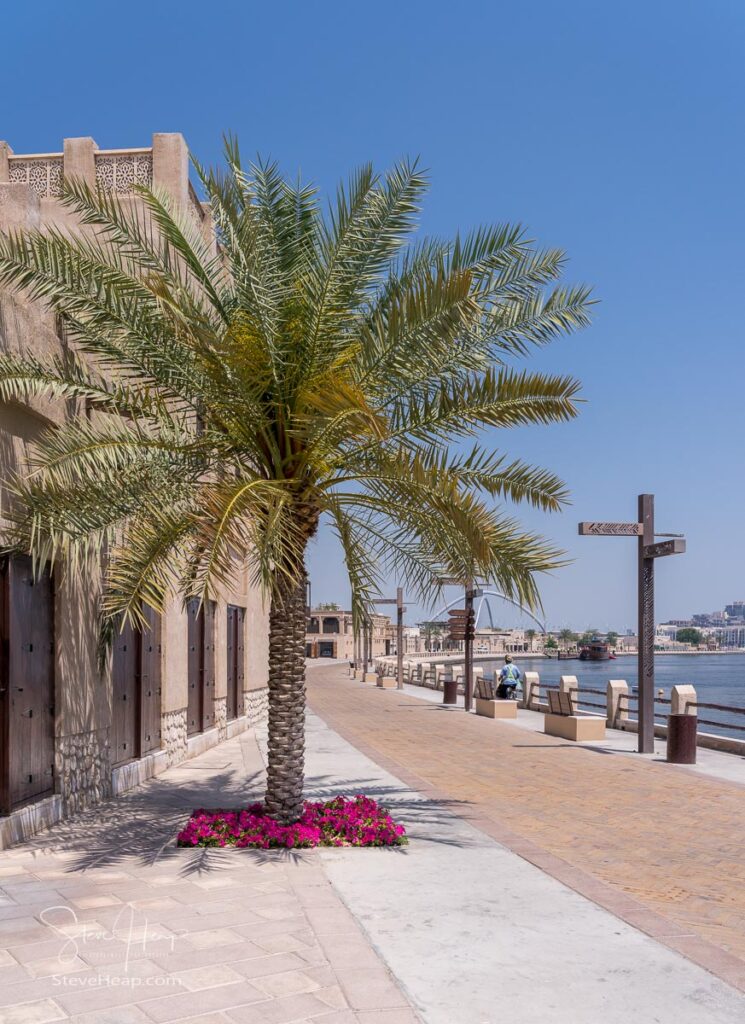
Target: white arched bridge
x=482 y=602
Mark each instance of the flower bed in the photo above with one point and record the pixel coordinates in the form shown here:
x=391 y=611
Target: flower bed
x=343 y=821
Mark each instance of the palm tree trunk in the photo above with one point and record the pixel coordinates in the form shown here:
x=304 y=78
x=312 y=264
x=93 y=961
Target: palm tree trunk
x=285 y=769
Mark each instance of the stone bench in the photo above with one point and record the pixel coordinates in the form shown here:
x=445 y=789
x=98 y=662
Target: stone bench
x=387 y=682
x=489 y=705
x=561 y=720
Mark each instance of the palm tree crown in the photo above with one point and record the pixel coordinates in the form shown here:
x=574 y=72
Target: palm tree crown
x=309 y=365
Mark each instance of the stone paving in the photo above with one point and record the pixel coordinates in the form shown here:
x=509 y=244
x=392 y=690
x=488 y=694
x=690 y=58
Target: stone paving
x=657 y=845
x=104 y=921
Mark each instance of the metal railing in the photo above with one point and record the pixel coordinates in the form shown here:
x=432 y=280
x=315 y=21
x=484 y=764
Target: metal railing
x=730 y=709
x=536 y=688
x=579 y=700
x=626 y=699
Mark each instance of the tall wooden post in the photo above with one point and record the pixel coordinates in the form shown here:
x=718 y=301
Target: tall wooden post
x=648 y=551
x=400 y=637
x=646 y=625
x=468 y=648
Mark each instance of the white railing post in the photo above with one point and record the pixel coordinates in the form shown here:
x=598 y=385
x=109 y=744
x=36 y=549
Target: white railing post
x=618 y=708
x=683 y=700
x=569 y=684
x=530 y=688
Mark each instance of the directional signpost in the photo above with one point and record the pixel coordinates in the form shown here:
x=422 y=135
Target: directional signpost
x=398 y=600
x=648 y=552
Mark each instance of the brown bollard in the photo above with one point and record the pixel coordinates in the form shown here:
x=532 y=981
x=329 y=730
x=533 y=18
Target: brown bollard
x=681 y=739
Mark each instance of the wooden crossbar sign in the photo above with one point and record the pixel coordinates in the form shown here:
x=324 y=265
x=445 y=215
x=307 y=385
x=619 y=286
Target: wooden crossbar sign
x=611 y=529
x=665 y=547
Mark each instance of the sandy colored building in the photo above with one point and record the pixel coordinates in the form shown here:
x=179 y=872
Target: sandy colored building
x=69 y=734
x=330 y=635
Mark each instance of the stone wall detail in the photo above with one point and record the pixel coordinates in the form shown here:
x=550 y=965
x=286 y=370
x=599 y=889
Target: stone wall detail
x=221 y=717
x=173 y=729
x=256 y=705
x=84 y=769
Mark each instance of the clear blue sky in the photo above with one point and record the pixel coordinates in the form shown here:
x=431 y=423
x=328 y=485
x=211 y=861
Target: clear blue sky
x=613 y=130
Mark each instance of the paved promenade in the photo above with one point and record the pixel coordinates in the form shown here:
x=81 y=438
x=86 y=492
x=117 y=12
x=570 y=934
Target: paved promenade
x=660 y=846
x=104 y=921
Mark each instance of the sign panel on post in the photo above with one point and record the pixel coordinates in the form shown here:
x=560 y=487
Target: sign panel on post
x=648 y=551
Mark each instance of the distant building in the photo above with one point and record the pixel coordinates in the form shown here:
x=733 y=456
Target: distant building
x=330 y=634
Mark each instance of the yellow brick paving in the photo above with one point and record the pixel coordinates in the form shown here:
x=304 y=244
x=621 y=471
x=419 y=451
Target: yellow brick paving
x=671 y=839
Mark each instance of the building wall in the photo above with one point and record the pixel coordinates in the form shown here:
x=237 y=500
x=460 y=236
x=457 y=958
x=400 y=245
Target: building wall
x=29 y=198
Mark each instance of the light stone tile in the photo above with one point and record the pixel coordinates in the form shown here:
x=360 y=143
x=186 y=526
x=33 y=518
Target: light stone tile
x=55 y=966
x=264 y=966
x=115 y=1015
x=214 y=883
x=333 y=995
x=176 y=1007
x=277 y=913
x=14 y=869
x=40 y=1012
x=212 y=937
x=288 y=1008
x=287 y=984
x=401 y=1015
x=207 y=977
x=370 y=989
x=94 y=902
x=280 y=943
x=205 y=1018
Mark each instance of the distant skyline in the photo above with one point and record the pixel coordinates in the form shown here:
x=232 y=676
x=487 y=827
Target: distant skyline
x=613 y=131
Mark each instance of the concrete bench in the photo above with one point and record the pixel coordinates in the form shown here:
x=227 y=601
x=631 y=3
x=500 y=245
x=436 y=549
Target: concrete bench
x=561 y=720
x=491 y=706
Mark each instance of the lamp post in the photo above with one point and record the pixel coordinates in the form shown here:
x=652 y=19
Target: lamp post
x=398 y=600
x=648 y=551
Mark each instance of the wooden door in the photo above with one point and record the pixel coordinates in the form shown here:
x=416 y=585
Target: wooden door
x=208 y=664
x=232 y=664
x=150 y=684
x=125 y=702
x=235 y=639
x=26 y=684
x=194 y=668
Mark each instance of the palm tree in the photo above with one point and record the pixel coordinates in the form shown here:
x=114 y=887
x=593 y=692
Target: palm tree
x=315 y=367
x=567 y=637
x=530 y=634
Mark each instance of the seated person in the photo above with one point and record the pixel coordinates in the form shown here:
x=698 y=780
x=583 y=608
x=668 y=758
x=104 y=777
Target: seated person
x=509 y=678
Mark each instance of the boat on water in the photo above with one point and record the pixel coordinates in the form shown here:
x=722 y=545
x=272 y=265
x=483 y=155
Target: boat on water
x=595 y=650
x=568 y=655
